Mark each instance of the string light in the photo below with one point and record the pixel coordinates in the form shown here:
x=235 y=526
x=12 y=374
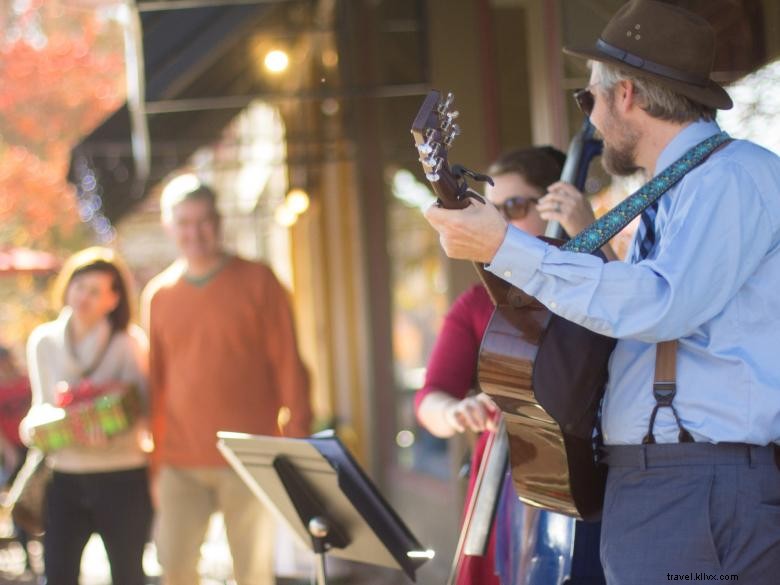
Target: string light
x=90 y=201
x=295 y=203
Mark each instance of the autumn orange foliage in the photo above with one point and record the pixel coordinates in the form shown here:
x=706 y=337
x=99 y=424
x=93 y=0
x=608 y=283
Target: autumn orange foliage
x=61 y=73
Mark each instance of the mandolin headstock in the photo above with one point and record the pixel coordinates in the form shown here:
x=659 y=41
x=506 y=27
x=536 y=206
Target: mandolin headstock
x=434 y=130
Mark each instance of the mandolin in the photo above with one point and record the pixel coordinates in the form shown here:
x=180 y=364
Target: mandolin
x=546 y=374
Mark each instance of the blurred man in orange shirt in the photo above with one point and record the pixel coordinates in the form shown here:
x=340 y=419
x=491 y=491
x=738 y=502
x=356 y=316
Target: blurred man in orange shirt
x=223 y=357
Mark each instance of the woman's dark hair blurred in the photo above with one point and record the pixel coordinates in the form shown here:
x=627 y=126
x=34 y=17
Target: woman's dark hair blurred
x=98 y=259
x=540 y=166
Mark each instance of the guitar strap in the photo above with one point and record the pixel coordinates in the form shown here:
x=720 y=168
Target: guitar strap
x=608 y=225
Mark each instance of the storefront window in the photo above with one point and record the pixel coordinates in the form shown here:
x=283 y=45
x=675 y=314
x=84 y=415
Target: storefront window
x=419 y=303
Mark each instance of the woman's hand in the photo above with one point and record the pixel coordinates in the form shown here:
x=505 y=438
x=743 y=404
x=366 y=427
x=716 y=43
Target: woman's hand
x=566 y=205
x=443 y=415
x=473 y=413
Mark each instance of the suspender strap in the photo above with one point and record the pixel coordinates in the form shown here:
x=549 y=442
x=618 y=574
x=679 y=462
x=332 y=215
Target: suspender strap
x=665 y=389
x=665 y=364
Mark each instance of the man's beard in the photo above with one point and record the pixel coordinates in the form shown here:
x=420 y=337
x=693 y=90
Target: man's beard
x=619 y=158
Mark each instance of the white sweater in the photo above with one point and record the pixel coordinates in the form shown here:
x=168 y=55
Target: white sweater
x=49 y=361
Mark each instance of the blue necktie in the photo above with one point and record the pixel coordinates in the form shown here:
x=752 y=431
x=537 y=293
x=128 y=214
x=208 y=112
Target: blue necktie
x=646 y=237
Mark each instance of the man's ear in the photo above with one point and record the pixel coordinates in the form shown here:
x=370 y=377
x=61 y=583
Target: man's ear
x=625 y=96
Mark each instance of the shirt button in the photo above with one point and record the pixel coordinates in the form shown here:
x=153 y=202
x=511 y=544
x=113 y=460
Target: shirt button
x=553 y=305
x=507 y=273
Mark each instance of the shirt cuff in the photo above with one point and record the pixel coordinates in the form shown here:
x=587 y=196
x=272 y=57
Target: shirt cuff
x=518 y=258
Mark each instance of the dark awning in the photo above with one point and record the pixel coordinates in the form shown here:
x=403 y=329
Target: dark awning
x=188 y=53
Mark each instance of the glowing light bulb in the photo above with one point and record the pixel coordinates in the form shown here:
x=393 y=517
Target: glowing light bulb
x=284 y=216
x=276 y=61
x=297 y=201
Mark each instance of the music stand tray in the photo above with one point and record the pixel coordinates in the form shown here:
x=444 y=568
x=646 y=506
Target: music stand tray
x=316 y=487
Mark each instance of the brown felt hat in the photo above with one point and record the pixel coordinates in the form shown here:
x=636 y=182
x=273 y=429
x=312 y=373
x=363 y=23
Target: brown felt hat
x=665 y=43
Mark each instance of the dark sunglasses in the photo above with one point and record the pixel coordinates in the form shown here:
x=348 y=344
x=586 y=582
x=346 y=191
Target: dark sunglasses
x=516 y=207
x=585 y=100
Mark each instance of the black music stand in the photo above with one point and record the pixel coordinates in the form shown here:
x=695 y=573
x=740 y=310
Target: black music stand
x=326 y=499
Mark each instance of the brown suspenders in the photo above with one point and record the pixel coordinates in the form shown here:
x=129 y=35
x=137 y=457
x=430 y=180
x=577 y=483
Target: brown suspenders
x=665 y=388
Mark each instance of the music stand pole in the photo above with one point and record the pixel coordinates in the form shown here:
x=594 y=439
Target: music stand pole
x=324 y=531
x=318 y=529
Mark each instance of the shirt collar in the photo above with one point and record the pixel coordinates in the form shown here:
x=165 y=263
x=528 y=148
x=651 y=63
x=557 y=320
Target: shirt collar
x=87 y=349
x=686 y=139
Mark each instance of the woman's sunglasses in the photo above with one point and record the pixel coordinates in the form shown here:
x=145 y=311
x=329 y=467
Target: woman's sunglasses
x=585 y=99
x=516 y=207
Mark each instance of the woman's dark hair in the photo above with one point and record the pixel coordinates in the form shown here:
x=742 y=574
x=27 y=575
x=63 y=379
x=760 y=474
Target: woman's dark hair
x=98 y=259
x=540 y=166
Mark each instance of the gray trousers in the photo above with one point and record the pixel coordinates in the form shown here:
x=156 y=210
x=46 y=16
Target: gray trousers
x=691 y=512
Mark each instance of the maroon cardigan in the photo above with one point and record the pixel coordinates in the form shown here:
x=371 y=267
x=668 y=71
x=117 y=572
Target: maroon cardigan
x=452 y=368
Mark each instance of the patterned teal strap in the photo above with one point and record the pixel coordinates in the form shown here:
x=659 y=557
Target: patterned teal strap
x=604 y=229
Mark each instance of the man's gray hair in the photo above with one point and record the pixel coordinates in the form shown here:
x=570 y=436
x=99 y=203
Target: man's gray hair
x=655 y=99
x=182 y=188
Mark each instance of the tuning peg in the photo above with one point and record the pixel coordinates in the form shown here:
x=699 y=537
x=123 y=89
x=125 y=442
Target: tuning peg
x=445 y=105
x=454 y=131
x=431 y=146
x=425 y=148
x=453 y=114
x=433 y=162
x=432 y=177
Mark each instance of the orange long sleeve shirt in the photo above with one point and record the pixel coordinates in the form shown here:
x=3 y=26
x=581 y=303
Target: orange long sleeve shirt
x=223 y=357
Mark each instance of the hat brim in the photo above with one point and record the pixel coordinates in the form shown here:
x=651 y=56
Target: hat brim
x=712 y=94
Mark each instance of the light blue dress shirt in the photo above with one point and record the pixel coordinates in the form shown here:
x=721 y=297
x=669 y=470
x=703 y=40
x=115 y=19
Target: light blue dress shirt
x=712 y=281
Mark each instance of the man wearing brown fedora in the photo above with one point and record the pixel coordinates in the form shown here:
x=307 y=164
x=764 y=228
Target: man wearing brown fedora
x=693 y=491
